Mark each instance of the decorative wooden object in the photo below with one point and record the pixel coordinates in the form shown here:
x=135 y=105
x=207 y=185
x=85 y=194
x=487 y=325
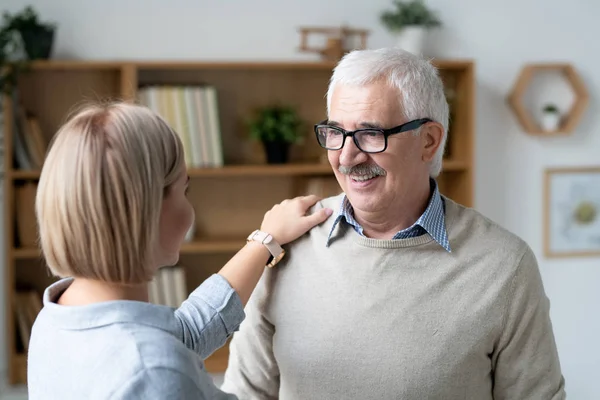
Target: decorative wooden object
x=225 y=214
x=572 y=118
x=338 y=41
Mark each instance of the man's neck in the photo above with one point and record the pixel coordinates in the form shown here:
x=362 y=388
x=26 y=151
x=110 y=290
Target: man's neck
x=385 y=223
x=87 y=291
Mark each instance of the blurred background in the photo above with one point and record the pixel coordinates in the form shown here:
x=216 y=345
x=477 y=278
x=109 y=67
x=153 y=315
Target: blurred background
x=526 y=150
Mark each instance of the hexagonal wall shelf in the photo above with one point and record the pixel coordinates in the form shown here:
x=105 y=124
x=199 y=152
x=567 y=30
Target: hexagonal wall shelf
x=571 y=119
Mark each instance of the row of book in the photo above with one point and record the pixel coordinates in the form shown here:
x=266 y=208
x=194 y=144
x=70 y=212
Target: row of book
x=29 y=142
x=193 y=112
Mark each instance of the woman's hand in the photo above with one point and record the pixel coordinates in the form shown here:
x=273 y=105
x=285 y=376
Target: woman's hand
x=285 y=222
x=288 y=221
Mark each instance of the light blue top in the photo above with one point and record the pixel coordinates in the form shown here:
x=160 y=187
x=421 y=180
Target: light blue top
x=131 y=349
x=432 y=221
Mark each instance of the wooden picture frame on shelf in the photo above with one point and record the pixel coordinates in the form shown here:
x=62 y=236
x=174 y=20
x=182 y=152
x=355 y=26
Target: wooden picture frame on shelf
x=572 y=212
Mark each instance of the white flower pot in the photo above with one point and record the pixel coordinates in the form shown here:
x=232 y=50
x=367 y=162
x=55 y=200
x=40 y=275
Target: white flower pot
x=412 y=39
x=550 y=121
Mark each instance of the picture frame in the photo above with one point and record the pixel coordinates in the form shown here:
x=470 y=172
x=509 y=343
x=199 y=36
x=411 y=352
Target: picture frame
x=572 y=212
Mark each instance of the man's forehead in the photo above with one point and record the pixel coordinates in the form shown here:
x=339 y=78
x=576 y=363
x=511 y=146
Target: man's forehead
x=364 y=106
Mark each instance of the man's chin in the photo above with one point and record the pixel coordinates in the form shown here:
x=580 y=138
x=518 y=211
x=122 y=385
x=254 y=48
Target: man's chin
x=366 y=202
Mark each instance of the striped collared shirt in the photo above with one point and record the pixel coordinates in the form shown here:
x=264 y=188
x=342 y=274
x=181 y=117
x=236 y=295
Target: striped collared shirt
x=432 y=221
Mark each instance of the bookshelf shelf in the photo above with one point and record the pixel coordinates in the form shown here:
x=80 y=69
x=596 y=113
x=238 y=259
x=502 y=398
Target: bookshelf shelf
x=206 y=246
x=26 y=253
x=231 y=198
x=263 y=170
x=288 y=170
x=24 y=174
x=198 y=246
x=304 y=169
x=70 y=65
x=230 y=170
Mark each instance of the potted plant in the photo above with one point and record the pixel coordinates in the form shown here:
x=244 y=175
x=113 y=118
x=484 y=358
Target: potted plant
x=22 y=38
x=10 y=53
x=38 y=37
x=550 y=118
x=278 y=127
x=409 y=21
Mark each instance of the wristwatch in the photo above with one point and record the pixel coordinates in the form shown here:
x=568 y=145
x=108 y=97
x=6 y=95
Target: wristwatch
x=267 y=240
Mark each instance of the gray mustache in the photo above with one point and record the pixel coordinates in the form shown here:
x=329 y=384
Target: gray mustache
x=362 y=170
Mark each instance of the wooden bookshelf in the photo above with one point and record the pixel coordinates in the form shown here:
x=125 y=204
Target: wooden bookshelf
x=230 y=200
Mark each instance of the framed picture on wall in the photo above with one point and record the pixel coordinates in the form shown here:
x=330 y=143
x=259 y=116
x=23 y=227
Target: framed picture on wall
x=572 y=212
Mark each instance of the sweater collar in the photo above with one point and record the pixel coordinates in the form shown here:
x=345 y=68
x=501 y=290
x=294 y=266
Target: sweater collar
x=432 y=221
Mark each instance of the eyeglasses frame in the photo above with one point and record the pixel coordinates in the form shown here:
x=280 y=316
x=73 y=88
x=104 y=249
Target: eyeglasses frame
x=407 y=126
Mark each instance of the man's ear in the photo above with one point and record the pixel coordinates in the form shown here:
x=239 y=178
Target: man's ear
x=432 y=135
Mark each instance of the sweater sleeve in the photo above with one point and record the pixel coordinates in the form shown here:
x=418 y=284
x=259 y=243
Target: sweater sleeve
x=526 y=363
x=209 y=316
x=252 y=372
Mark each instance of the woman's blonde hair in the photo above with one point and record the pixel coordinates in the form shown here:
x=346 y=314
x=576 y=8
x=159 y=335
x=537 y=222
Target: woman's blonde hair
x=100 y=192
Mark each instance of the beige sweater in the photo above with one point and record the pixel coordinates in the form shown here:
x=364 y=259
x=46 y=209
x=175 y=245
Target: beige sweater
x=402 y=319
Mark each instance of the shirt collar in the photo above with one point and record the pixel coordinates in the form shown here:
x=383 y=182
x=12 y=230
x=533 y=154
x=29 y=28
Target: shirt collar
x=105 y=313
x=433 y=220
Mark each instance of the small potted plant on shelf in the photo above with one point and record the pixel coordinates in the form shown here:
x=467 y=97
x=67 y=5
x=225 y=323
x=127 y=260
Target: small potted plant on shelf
x=38 y=36
x=22 y=38
x=550 y=118
x=278 y=127
x=409 y=21
x=11 y=59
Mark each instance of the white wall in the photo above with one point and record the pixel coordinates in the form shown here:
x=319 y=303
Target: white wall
x=500 y=36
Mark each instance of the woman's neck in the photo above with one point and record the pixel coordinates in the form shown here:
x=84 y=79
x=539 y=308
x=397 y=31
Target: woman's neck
x=87 y=291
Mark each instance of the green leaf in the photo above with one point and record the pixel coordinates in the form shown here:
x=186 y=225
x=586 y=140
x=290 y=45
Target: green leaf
x=275 y=123
x=409 y=13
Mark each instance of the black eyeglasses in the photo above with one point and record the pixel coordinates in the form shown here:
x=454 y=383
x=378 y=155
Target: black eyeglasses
x=368 y=140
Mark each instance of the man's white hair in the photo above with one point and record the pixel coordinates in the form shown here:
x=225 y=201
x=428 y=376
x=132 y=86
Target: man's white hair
x=420 y=88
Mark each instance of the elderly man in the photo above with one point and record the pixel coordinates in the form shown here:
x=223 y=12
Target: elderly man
x=406 y=294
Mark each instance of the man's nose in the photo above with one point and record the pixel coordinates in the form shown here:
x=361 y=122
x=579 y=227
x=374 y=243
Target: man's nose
x=350 y=154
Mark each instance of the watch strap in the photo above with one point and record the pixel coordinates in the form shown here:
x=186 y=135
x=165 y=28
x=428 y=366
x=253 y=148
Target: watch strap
x=277 y=252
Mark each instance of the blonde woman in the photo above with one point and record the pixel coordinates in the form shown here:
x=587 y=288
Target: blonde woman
x=112 y=208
